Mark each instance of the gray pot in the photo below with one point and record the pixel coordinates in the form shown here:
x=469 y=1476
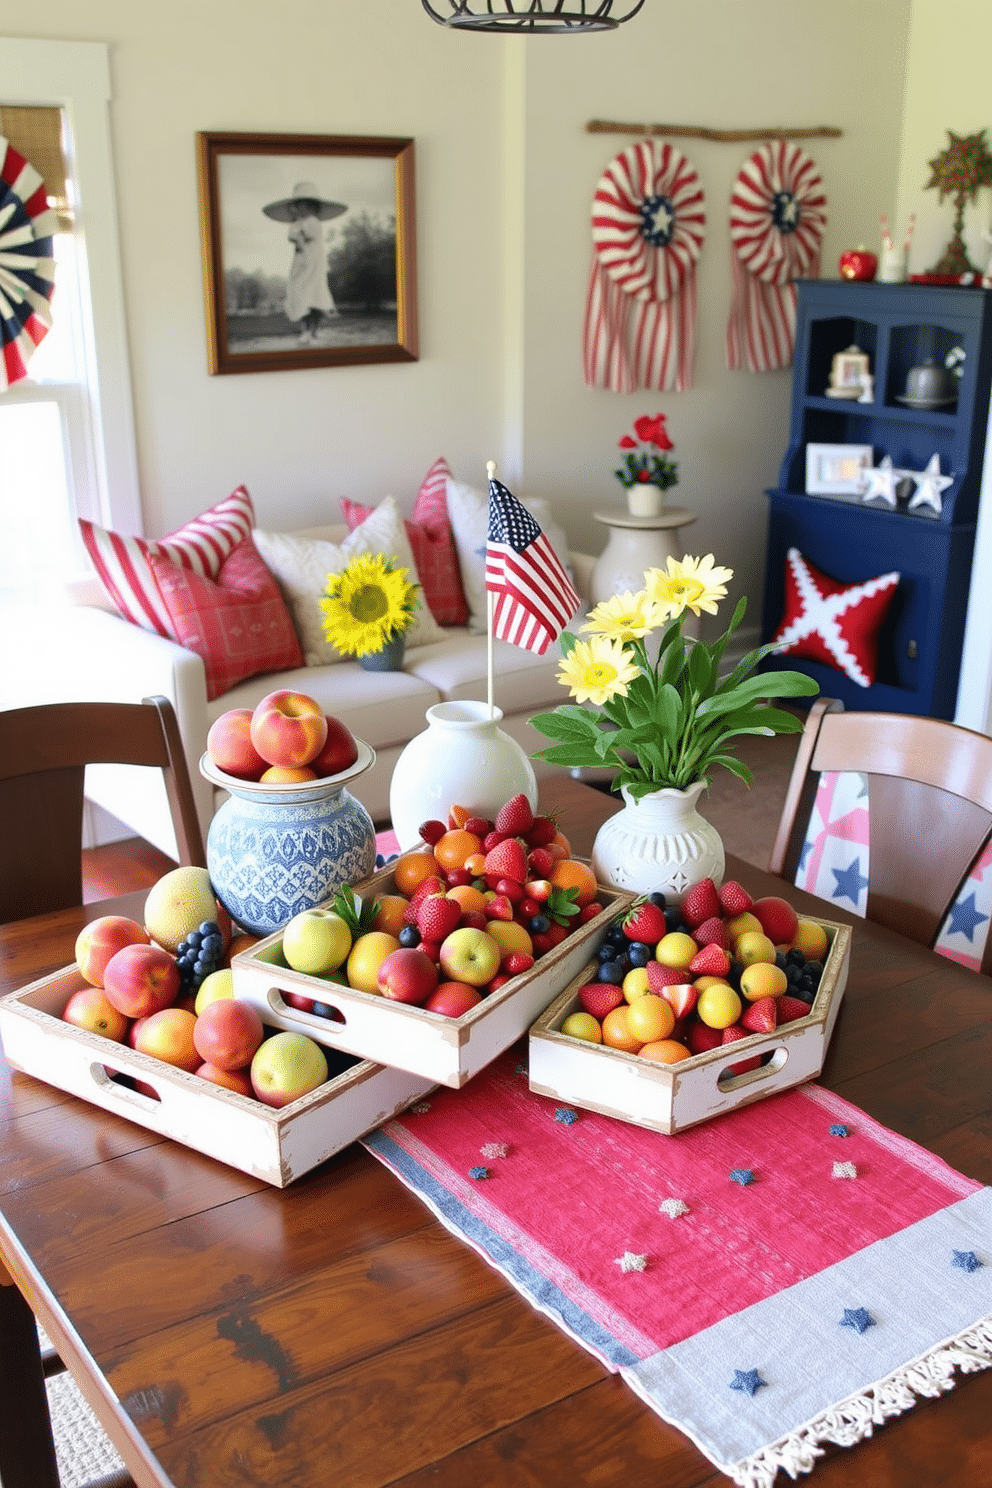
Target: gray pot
x=389 y=659
x=930 y=383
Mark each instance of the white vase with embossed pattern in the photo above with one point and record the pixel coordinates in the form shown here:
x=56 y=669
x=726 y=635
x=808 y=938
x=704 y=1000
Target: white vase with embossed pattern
x=659 y=843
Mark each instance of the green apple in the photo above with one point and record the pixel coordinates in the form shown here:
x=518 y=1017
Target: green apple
x=316 y=941
x=286 y=1066
x=213 y=988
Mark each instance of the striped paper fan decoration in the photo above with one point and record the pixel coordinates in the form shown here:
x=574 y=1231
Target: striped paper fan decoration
x=648 y=225
x=777 y=217
x=27 y=264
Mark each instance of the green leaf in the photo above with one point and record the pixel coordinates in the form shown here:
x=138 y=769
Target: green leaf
x=567 y=641
x=564 y=726
x=571 y=755
x=701 y=671
x=735 y=766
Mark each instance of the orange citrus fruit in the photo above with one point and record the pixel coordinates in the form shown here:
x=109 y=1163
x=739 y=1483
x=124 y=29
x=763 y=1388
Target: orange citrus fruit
x=616 y=1032
x=475 y=864
x=458 y=816
x=761 y=979
x=811 y=939
x=410 y=870
x=665 y=1051
x=389 y=914
x=650 y=1018
x=468 y=897
x=569 y=873
x=701 y=983
x=718 y=1007
x=560 y=840
x=451 y=850
x=737 y=926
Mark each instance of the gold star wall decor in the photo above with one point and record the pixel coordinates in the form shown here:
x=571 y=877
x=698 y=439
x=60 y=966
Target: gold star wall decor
x=958 y=172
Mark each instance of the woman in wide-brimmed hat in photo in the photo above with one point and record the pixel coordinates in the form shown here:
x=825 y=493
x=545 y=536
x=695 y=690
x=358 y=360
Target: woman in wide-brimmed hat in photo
x=308 y=296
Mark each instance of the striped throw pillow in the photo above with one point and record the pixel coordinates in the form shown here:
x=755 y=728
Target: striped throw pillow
x=202 y=545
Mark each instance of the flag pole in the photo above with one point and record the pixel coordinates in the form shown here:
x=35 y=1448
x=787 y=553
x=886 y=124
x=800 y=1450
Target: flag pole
x=490 y=606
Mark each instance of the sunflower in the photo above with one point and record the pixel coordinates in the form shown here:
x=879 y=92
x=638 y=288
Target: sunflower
x=367 y=604
x=694 y=584
x=626 y=616
x=597 y=670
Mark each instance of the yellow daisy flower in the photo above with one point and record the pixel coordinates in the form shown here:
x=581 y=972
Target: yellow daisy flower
x=367 y=604
x=624 y=617
x=694 y=584
x=597 y=670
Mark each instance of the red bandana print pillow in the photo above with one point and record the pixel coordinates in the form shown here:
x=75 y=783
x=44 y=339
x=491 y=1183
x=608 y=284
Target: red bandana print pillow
x=831 y=622
x=433 y=544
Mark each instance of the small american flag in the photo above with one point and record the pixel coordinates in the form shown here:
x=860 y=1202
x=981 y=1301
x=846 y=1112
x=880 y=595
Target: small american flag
x=534 y=596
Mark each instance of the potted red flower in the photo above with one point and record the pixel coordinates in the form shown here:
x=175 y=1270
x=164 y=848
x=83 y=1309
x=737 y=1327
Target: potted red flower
x=645 y=469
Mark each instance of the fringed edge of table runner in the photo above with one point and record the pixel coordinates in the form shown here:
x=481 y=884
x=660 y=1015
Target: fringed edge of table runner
x=853 y=1420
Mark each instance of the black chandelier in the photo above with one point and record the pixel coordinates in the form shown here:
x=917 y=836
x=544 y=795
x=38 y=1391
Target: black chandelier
x=532 y=15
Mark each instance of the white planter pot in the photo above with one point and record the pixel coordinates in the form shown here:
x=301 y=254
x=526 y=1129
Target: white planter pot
x=645 y=501
x=462 y=758
x=659 y=843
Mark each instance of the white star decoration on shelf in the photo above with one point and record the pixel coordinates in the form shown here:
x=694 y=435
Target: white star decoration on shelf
x=882 y=481
x=929 y=484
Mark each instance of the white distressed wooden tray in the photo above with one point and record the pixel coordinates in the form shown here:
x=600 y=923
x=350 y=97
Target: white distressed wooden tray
x=275 y=1145
x=447 y=1051
x=671 y=1098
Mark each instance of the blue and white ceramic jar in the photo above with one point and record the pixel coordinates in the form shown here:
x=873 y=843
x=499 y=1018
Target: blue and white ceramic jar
x=275 y=850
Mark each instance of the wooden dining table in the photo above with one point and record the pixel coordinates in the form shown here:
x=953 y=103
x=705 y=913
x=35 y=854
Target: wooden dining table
x=334 y=1334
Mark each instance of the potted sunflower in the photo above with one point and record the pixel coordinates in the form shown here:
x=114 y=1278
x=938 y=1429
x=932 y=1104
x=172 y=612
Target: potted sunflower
x=368 y=609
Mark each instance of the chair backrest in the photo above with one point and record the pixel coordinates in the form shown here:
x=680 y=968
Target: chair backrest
x=44 y=752
x=930 y=809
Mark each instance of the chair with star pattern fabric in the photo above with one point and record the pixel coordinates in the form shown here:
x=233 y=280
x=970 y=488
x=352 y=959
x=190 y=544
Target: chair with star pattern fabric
x=891 y=815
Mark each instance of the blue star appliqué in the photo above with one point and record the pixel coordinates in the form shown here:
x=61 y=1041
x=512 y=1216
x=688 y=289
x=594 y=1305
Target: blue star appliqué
x=747 y=1381
x=566 y=1115
x=785 y=211
x=840 y=1130
x=743 y=1176
x=849 y=882
x=657 y=220
x=965 y=918
x=966 y=1260
x=857 y=1318
x=807 y=849
x=478 y=1172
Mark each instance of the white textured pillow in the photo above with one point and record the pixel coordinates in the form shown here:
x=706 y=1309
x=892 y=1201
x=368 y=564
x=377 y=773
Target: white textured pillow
x=301 y=565
x=468 y=512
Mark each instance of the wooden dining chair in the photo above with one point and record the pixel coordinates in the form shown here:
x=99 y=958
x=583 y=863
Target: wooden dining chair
x=929 y=810
x=44 y=752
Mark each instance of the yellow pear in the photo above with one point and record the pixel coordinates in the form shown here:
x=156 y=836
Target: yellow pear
x=177 y=904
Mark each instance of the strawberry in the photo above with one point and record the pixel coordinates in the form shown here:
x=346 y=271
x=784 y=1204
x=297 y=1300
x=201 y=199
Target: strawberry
x=528 y=908
x=589 y=912
x=432 y=831
x=437 y=916
x=702 y=1037
x=660 y=977
x=733 y=1035
x=432 y=949
x=507 y=860
x=432 y=885
x=473 y=919
x=499 y=907
x=700 y=903
x=538 y=889
x=542 y=831
x=493 y=839
x=599 y=998
x=734 y=898
x=711 y=932
x=712 y=960
x=540 y=863
x=516 y=817
x=761 y=1016
x=499 y=980
x=515 y=962
x=682 y=996
x=645 y=921
x=791 y=1008
x=479 y=826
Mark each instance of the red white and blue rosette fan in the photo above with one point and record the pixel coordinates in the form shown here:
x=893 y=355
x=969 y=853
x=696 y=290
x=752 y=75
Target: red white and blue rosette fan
x=648 y=225
x=777 y=217
x=27 y=267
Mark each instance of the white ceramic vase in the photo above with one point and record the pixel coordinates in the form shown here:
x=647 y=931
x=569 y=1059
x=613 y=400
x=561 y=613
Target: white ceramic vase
x=659 y=843
x=645 y=500
x=462 y=758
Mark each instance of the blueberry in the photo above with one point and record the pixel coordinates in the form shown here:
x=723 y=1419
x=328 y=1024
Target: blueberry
x=815 y=970
x=796 y=956
x=804 y=994
x=209 y=927
x=793 y=975
x=657 y=898
x=194 y=937
x=639 y=953
x=540 y=925
x=607 y=951
x=805 y=985
x=780 y=960
x=409 y=936
x=673 y=920
x=612 y=972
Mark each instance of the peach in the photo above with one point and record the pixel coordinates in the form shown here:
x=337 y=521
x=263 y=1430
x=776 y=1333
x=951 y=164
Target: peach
x=168 y=1035
x=228 y=1033
x=229 y=745
x=288 y=728
x=287 y=774
x=103 y=938
x=141 y=979
x=89 y=1008
x=238 y=1080
x=340 y=750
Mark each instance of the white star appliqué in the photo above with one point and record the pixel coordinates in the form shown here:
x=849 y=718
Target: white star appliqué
x=929 y=484
x=631 y=1262
x=820 y=615
x=882 y=481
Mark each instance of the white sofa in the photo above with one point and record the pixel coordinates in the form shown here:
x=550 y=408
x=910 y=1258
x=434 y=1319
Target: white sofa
x=106 y=657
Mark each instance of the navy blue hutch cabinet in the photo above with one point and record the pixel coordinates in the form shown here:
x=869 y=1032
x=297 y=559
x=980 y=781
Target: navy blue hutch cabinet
x=899 y=326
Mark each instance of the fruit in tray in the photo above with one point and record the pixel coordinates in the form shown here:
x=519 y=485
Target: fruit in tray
x=286 y=737
x=478 y=903
x=672 y=983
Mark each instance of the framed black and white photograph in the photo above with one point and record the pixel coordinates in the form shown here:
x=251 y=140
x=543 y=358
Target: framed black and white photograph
x=309 y=250
x=837 y=469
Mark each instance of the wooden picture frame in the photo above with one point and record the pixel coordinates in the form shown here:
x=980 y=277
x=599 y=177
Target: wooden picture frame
x=276 y=210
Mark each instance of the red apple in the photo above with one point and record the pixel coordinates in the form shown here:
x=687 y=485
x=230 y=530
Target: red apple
x=471 y=956
x=288 y=728
x=298 y=1001
x=228 y=1033
x=229 y=745
x=141 y=979
x=340 y=750
x=777 y=918
x=453 y=999
x=238 y=1080
x=103 y=938
x=858 y=263
x=89 y=1008
x=407 y=975
x=168 y=1035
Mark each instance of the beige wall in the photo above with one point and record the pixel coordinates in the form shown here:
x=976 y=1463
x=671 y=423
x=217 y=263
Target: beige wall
x=506 y=174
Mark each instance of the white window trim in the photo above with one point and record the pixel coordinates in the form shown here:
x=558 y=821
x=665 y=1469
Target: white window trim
x=75 y=76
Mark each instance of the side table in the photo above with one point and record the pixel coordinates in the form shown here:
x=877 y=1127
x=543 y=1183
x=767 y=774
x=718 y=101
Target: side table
x=635 y=544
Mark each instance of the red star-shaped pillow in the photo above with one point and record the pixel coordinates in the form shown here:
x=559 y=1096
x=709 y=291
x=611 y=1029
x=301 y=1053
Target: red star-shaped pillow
x=832 y=622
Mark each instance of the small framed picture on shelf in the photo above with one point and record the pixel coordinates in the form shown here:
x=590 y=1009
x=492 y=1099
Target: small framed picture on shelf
x=837 y=469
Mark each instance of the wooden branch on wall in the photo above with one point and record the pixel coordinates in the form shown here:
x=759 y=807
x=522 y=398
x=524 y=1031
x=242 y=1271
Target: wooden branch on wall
x=699 y=131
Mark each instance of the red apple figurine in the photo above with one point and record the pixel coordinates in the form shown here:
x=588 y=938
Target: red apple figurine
x=858 y=263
